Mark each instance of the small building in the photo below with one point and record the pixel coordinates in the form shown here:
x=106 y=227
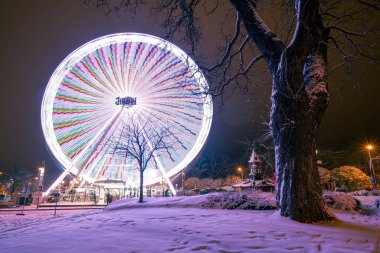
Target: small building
x=255 y=181
x=255 y=166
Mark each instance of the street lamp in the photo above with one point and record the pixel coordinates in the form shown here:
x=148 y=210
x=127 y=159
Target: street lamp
x=370 y=147
x=41 y=176
x=183 y=179
x=241 y=171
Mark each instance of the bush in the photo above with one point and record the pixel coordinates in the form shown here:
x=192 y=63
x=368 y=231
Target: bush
x=341 y=201
x=350 y=178
x=327 y=183
x=255 y=200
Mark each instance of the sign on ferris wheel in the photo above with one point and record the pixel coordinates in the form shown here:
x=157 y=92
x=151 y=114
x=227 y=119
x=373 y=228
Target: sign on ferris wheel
x=94 y=90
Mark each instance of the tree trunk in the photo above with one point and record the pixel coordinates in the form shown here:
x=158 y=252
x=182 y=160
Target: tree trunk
x=299 y=99
x=141 y=195
x=298 y=187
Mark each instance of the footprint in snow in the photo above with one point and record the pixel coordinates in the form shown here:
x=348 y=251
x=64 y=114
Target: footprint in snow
x=198 y=248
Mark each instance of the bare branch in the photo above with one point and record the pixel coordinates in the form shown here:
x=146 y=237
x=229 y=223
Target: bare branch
x=229 y=46
x=227 y=79
x=346 y=32
x=345 y=55
x=369 y=4
x=266 y=40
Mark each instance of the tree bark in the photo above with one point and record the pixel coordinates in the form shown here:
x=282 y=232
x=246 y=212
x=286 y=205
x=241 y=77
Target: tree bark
x=294 y=129
x=299 y=99
x=141 y=195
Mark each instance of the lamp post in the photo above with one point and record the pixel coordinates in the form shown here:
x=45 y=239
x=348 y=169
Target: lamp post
x=241 y=172
x=63 y=185
x=41 y=173
x=370 y=147
x=35 y=186
x=41 y=176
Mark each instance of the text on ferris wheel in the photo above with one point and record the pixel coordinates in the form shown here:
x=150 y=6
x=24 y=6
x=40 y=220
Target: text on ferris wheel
x=126 y=101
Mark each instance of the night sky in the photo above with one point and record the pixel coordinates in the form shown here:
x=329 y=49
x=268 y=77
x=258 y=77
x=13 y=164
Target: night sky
x=37 y=35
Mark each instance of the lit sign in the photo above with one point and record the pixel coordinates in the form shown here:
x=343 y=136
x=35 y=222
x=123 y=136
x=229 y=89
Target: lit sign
x=127 y=101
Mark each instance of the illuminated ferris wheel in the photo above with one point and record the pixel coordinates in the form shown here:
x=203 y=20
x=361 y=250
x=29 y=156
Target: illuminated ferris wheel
x=98 y=86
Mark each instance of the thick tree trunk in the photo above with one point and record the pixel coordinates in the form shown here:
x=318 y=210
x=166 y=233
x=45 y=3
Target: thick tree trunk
x=299 y=99
x=141 y=194
x=298 y=184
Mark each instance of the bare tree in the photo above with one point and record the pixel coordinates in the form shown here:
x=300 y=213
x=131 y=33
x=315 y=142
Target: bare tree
x=192 y=183
x=20 y=175
x=212 y=165
x=296 y=56
x=142 y=141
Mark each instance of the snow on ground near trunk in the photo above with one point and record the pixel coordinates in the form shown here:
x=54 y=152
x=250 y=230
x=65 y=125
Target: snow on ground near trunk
x=163 y=225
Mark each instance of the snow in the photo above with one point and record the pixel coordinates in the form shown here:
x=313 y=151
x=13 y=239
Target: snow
x=368 y=201
x=178 y=225
x=341 y=201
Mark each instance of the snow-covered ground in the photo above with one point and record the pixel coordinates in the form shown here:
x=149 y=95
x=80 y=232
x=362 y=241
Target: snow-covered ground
x=179 y=225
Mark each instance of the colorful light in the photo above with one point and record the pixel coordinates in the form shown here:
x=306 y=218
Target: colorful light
x=81 y=108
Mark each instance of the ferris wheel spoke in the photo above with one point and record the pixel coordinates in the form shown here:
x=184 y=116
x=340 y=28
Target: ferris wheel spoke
x=97 y=135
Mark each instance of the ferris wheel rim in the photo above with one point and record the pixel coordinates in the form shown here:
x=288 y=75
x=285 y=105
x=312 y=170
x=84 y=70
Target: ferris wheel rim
x=78 y=54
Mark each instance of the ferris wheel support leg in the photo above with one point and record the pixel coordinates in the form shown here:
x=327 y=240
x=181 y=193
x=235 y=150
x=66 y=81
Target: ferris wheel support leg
x=165 y=175
x=82 y=182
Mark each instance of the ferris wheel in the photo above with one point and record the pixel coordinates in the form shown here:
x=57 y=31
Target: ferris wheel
x=97 y=88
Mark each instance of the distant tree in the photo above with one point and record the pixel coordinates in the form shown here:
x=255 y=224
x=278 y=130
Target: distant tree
x=351 y=178
x=212 y=165
x=205 y=183
x=192 y=183
x=21 y=176
x=142 y=142
x=350 y=154
x=231 y=180
x=217 y=183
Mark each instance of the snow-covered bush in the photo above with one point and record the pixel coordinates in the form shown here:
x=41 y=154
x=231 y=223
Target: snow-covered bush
x=253 y=200
x=350 y=178
x=366 y=193
x=341 y=201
